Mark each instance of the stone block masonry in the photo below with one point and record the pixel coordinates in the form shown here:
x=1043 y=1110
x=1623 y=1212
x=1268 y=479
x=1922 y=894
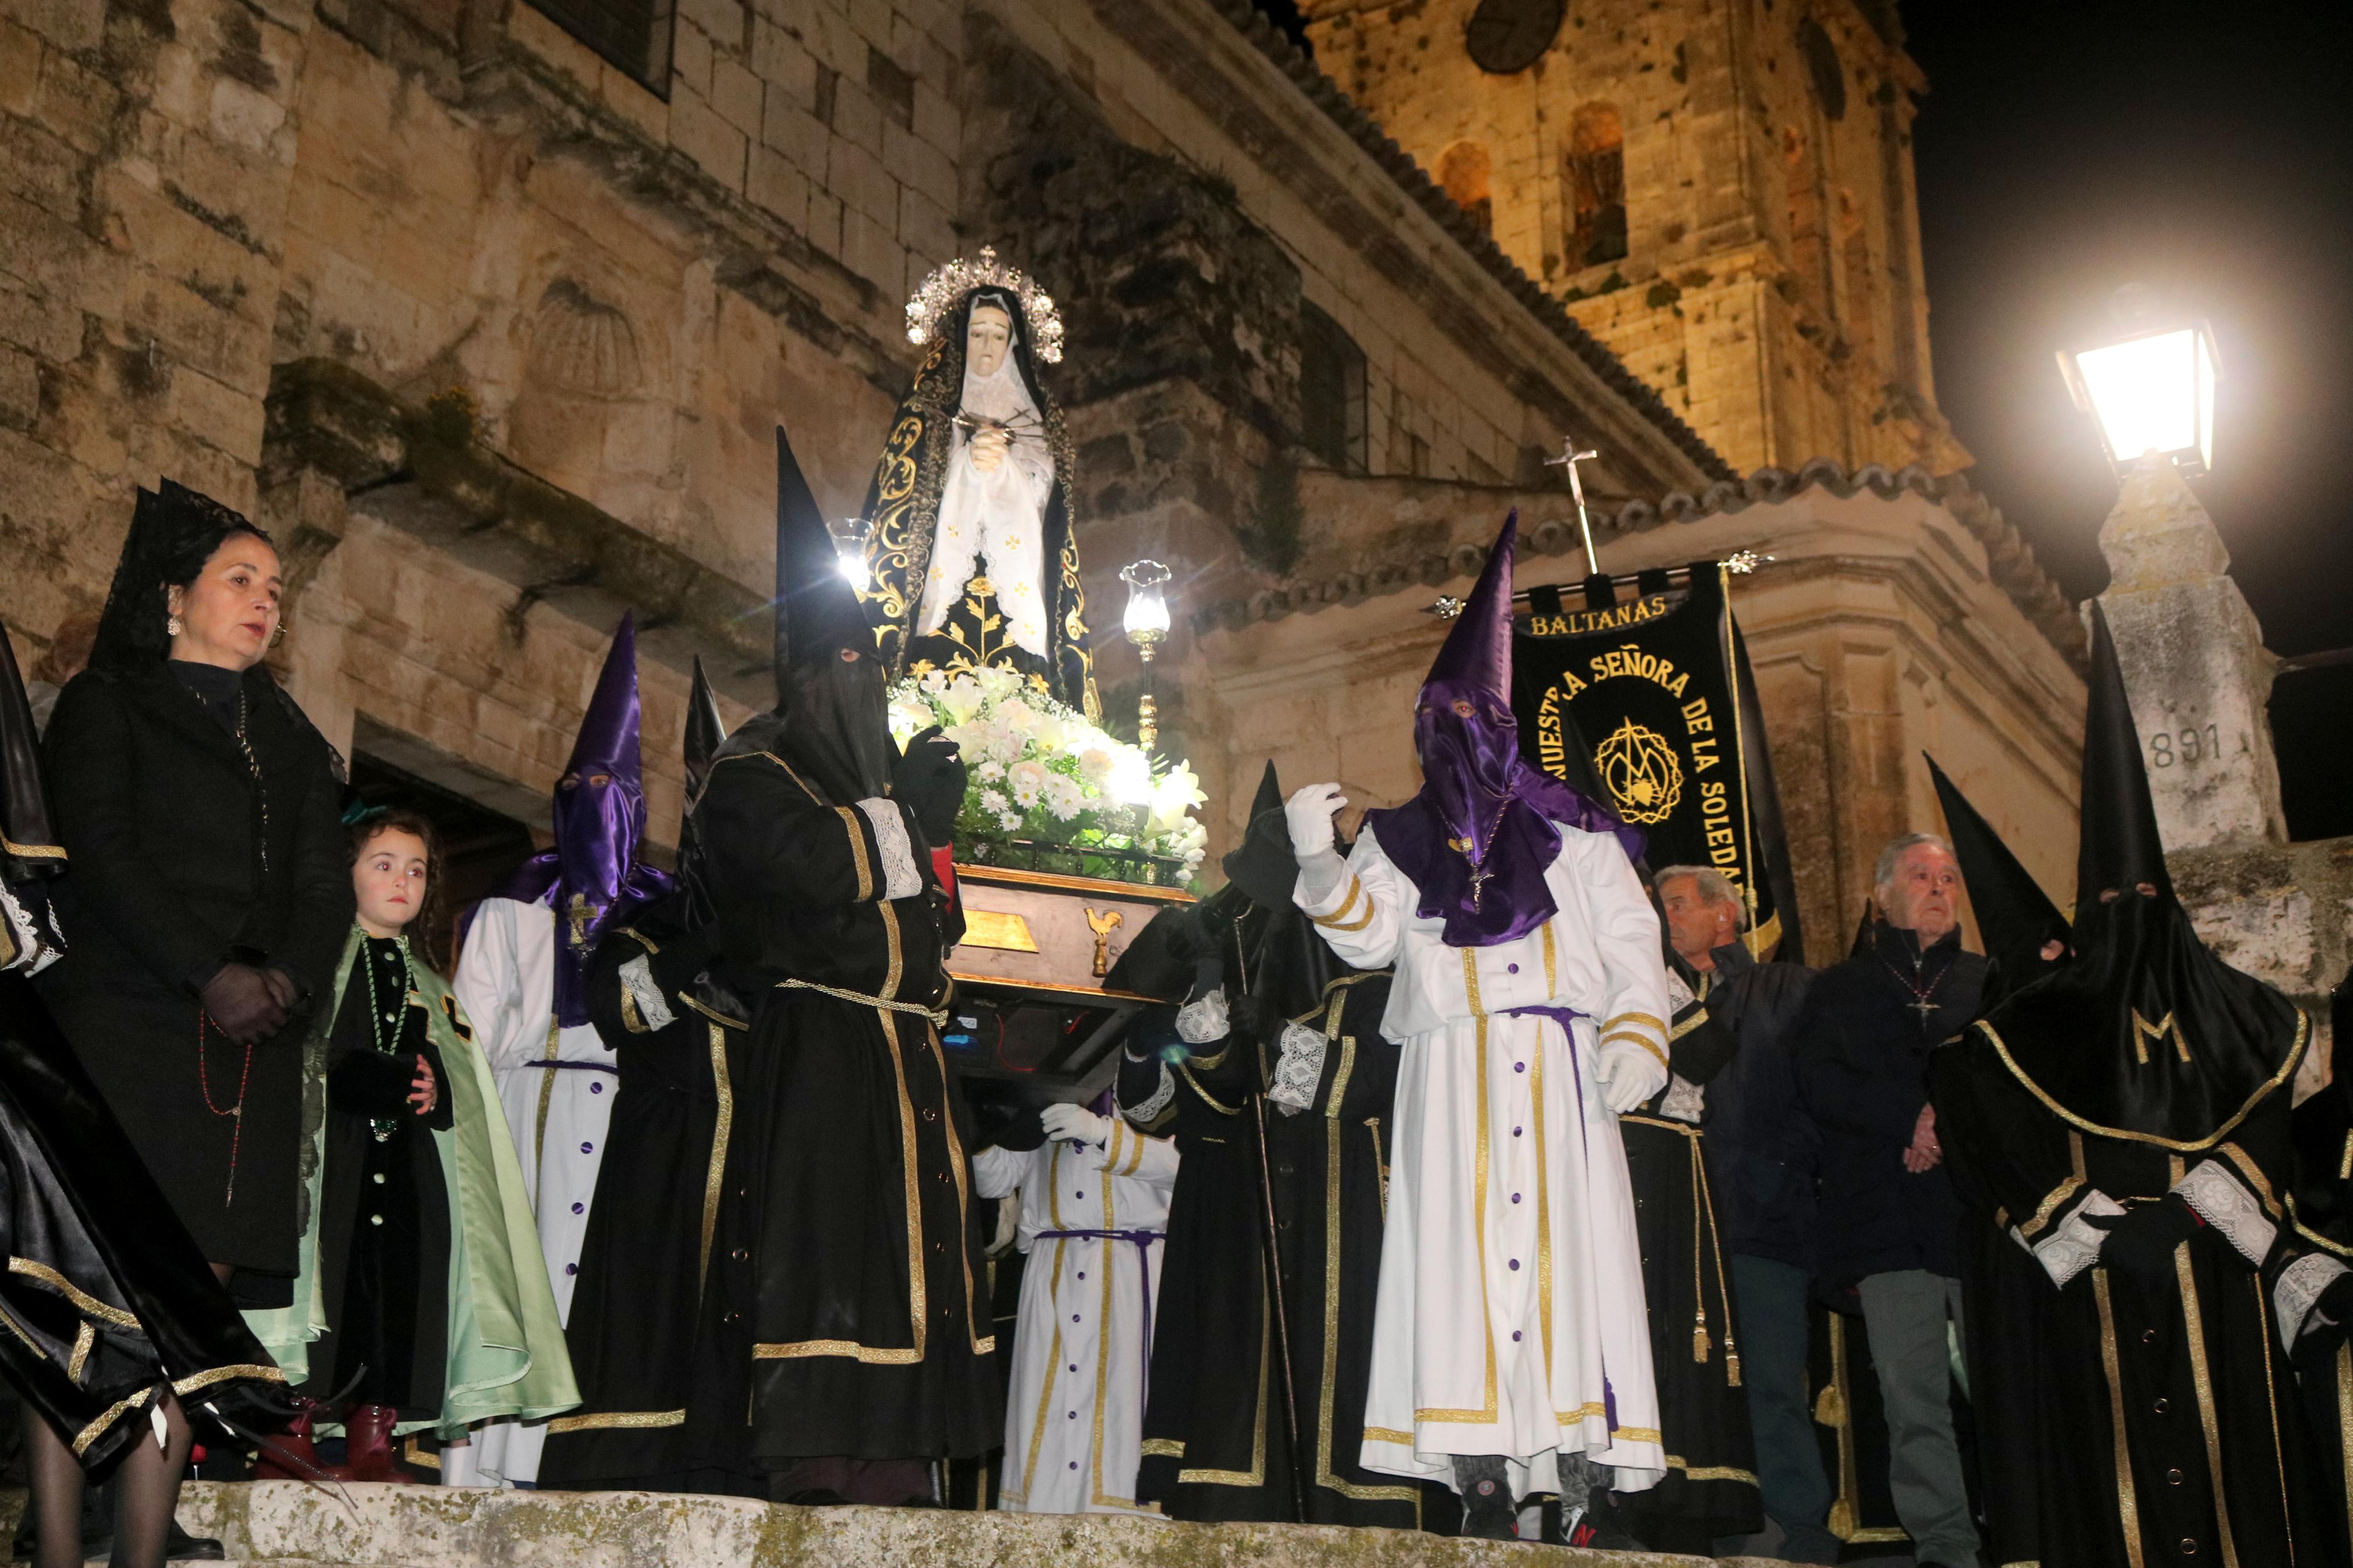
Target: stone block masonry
x=286 y=1523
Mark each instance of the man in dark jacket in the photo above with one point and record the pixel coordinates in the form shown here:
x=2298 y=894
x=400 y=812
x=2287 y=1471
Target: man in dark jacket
x=1889 y=1221
x=1760 y=1149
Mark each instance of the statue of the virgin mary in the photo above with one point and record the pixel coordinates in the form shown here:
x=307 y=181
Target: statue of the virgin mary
x=970 y=556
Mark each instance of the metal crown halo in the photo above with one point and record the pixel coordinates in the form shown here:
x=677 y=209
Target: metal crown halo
x=952 y=281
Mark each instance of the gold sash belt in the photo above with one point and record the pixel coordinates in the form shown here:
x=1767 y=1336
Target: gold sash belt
x=938 y=1016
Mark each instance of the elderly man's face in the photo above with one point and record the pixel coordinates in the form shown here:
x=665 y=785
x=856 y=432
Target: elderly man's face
x=1696 y=924
x=1925 y=893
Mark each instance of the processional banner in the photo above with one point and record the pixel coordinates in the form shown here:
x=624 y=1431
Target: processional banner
x=1651 y=698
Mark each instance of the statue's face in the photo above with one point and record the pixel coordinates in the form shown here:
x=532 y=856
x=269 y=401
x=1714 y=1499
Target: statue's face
x=986 y=337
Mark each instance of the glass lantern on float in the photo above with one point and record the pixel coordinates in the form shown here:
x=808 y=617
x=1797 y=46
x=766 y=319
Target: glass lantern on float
x=849 y=535
x=2150 y=389
x=1146 y=622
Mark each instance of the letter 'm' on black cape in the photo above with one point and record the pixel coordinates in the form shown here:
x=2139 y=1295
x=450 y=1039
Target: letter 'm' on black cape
x=2015 y=917
x=2146 y=1035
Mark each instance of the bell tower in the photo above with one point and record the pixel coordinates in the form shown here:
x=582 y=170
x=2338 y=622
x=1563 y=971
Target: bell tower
x=1719 y=190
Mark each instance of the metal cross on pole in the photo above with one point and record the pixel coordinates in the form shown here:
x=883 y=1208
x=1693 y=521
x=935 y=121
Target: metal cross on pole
x=1569 y=457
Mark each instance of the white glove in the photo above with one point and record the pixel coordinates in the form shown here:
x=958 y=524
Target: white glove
x=1630 y=1075
x=1309 y=813
x=1076 y=1123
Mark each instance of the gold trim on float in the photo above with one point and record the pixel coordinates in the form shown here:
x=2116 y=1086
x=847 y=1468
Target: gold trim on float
x=72 y=1292
x=1013 y=877
x=1050 y=987
x=2194 y=1323
x=2287 y=1071
x=1000 y=929
x=619 y=1420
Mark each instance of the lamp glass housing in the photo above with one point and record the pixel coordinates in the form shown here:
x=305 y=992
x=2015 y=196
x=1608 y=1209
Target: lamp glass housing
x=1147 y=602
x=849 y=536
x=2153 y=392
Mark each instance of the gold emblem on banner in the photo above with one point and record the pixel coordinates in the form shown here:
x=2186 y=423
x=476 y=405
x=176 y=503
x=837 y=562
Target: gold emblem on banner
x=1645 y=776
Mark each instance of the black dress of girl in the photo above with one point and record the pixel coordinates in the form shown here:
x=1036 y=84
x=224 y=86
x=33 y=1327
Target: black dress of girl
x=106 y=1302
x=384 y=1208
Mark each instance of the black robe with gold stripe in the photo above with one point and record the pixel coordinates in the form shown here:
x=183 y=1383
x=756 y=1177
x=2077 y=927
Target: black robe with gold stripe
x=2165 y=1429
x=1216 y=1431
x=2320 y=1216
x=1710 y=1489
x=652 y=1225
x=847 y=1306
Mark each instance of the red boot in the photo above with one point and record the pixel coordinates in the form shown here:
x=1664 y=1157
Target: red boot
x=289 y=1455
x=367 y=1444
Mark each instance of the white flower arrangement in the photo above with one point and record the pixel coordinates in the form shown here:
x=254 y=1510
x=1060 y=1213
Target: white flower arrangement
x=1046 y=775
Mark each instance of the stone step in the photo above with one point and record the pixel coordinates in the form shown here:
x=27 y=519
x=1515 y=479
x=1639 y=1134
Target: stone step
x=285 y=1524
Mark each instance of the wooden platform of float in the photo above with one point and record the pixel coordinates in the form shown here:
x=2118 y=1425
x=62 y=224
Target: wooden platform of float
x=1030 y=1004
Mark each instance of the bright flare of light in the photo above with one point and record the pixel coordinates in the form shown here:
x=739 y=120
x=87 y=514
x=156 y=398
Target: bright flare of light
x=2153 y=393
x=1131 y=778
x=853 y=569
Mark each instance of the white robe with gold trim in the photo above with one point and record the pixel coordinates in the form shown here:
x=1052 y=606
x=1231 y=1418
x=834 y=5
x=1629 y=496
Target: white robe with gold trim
x=1511 y=1318
x=1074 y=1402
x=557 y=1116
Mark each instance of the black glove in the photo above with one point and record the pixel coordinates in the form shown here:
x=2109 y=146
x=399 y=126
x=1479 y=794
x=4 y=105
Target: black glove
x=1256 y=1018
x=2141 y=1240
x=244 y=1005
x=929 y=781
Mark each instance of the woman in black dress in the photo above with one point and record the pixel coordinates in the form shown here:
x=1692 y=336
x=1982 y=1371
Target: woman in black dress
x=208 y=892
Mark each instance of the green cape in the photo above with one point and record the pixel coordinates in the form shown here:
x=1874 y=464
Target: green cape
x=506 y=1353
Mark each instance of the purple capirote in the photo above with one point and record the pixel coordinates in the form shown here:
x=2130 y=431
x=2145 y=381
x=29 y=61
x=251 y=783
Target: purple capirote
x=592 y=877
x=1477 y=790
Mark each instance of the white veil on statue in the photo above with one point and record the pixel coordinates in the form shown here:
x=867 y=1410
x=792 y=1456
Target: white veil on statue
x=999 y=515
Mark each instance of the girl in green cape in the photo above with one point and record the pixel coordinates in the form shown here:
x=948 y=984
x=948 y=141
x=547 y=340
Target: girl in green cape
x=422 y=1300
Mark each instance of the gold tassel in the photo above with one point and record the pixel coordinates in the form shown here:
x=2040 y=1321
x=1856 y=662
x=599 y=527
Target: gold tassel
x=1699 y=1337
x=1731 y=1362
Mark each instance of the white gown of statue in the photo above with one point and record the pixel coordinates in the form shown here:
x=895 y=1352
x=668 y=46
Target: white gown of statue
x=1001 y=515
x=557 y=1116
x=1074 y=1402
x=1511 y=1319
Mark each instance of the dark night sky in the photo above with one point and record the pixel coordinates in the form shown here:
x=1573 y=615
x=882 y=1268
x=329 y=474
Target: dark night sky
x=2068 y=147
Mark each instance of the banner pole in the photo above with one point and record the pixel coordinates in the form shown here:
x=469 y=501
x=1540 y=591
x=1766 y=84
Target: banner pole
x=1569 y=457
x=1740 y=745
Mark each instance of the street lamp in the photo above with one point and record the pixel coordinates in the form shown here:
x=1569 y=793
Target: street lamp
x=2150 y=391
x=1146 y=622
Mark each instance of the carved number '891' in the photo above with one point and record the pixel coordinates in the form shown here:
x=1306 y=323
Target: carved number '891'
x=2194 y=745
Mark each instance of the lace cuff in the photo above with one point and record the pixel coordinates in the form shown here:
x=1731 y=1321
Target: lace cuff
x=1686 y=1100
x=1147 y=1113
x=638 y=986
x=900 y=880
x=24 y=945
x=1204 y=1020
x=2073 y=1244
x=2301 y=1285
x=1300 y=1069
x=2223 y=1202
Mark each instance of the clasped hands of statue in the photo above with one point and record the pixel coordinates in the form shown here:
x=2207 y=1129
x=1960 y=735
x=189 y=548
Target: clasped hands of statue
x=1625 y=1078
